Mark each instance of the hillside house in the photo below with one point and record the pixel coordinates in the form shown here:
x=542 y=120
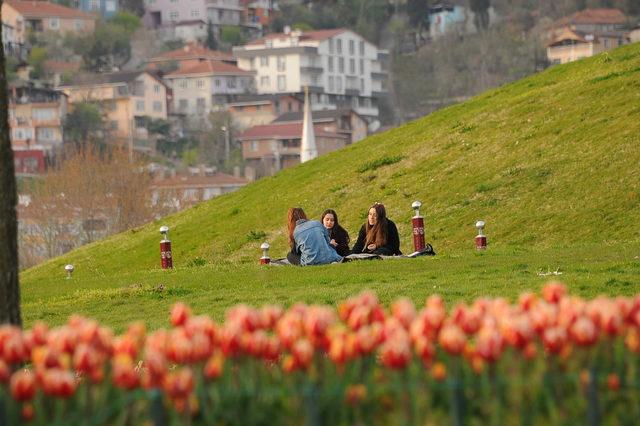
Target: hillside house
x=252 y=110
x=104 y=8
x=270 y=148
x=43 y=16
x=13 y=34
x=189 y=55
x=126 y=98
x=36 y=116
x=160 y=13
x=341 y=68
x=206 y=86
x=343 y=121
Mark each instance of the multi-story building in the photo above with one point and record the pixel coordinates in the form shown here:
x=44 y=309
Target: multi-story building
x=159 y=13
x=105 y=8
x=41 y=16
x=344 y=121
x=269 y=148
x=257 y=15
x=341 y=68
x=126 y=98
x=36 y=116
x=13 y=33
x=252 y=110
x=586 y=33
x=206 y=86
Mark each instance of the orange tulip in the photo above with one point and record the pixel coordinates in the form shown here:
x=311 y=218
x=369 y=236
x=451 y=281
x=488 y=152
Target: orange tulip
x=179 y=383
x=5 y=372
x=439 y=371
x=553 y=292
x=124 y=374
x=302 y=352
x=179 y=314
x=404 y=311
x=452 y=339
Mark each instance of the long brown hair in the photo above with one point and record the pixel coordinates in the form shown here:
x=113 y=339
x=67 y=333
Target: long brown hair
x=337 y=232
x=294 y=215
x=377 y=234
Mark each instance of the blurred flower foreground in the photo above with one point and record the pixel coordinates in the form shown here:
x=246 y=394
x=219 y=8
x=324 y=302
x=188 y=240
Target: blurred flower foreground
x=550 y=358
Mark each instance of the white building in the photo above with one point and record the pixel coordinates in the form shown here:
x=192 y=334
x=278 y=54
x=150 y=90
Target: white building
x=204 y=87
x=340 y=68
x=169 y=13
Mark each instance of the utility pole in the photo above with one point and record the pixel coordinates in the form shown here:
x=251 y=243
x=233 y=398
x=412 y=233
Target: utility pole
x=227 y=143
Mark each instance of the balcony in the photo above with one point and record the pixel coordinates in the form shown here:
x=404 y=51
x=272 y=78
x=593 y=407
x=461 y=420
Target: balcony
x=311 y=69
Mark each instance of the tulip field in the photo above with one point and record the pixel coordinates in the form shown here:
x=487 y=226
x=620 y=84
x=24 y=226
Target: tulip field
x=551 y=358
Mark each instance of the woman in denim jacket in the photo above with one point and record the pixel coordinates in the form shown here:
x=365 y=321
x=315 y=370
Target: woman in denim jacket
x=309 y=241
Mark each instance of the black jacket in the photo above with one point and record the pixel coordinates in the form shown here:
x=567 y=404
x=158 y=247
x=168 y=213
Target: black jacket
x=392 y=247
x=342 y=238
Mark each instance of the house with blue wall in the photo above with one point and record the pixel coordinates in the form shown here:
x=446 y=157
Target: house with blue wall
x=105 y=8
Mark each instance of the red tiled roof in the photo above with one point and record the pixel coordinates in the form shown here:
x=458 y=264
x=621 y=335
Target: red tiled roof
x=210 y=67
x=192 y=51
x=318 y=35
x=593 y=16
x=200 y=181
x=45 y=9
x=567 y=34
x=284 y=131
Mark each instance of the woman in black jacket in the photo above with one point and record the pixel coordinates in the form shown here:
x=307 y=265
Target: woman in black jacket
x=378 y=235
x=337 y=234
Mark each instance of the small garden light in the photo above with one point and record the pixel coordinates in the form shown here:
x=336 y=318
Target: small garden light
x=418 y=227
x=69 y=269
x=265 y=259
x=481 y=238
x=166 y=259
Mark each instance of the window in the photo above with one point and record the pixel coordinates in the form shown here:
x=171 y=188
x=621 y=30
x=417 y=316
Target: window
x=282 y=61
x=54 y=23
x=122 y=90
x=79 y=24
x=200 y=84
x=331 y=83
x=110 y=5
x=361 y=66
x=352 y=66
x=184 y=83
x=339 y=46
x=200 y=103
x=339 y=84
x=45 y=134
x=173 y=16
x=264 y=61
x=217 y=82
x=352 y=47
x=254 y=145
x=330 y=64
x=264 y=81
x=330 y=45
x=282 y=82
x=43 y=113
x=140 y=106
x=157 y=106
x=231 y=82
x=362 y=84
x=195 y=13
x=362 y=47
x=113 y=125
x=94 y=5
x=183 y=104
x=606 y=43
x=341 y=65
x=22 y=133
x=156 y=88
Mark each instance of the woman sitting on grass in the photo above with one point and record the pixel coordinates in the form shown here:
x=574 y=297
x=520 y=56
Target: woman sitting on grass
x=309 y=241
x=338 y=236
x=378 y=235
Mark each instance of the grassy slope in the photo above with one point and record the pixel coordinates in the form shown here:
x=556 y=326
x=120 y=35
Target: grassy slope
x=547 y=161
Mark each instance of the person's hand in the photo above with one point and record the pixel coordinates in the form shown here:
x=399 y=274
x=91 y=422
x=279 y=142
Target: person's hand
x=371 y=247
x=333 y=243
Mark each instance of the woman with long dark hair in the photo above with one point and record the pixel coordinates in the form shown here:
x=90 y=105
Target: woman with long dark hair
x=338 y=236
x=309 y=240
x=378 y=235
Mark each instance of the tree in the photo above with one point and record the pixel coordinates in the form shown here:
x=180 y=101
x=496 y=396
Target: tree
x=9 y=287
x=134 y=6
x=36 y=60
x=211 y=37
x=418 y=11
x=480 y=9
x=84 y=124
x=128 y=22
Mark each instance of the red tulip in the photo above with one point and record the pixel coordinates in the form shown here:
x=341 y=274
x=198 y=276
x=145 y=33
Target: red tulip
x=553 y=292
x=27 y=412
x=302 y=352
x=452 y=339
x=404 y=311
x=489 y=344
x=58 y=383
x=214 y=366
x=5 y=372
x=179 y=314
x=179 y=383
x=124 y=372
x=424 y=349
x=583 y=332
x=23 y=385
x=396 y=352
x=554 y=339
x=179 y=347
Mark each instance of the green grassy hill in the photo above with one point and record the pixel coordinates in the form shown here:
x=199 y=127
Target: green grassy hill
x=547 y=162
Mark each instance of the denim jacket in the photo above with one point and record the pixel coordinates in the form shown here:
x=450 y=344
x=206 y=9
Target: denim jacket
x=312 y=243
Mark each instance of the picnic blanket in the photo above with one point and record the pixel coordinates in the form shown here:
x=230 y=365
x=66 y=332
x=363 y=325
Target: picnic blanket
x=427 y=251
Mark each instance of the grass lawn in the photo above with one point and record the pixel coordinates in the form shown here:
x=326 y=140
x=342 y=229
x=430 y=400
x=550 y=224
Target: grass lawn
x=146 y=295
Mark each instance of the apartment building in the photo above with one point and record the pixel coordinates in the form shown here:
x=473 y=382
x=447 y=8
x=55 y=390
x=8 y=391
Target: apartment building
x=586 y=33
x=252 y=110
x=187 y=56
x=42 y=16
x=341 y=68
x=206 y=86
x=126 y=98
x=104 y=8
x=345 y=121
x=160 y=13
x=13 y=33
x=36 y=116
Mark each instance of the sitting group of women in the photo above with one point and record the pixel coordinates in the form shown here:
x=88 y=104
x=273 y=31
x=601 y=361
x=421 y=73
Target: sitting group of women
x=315 y=242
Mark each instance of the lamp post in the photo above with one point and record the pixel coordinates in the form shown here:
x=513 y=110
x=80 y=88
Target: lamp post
x=166 y=259
x=265 y=259
x=418 y=227
x=69 y=269
x=481 y=239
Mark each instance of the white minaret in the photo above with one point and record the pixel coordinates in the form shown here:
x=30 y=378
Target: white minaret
x=308 y=150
